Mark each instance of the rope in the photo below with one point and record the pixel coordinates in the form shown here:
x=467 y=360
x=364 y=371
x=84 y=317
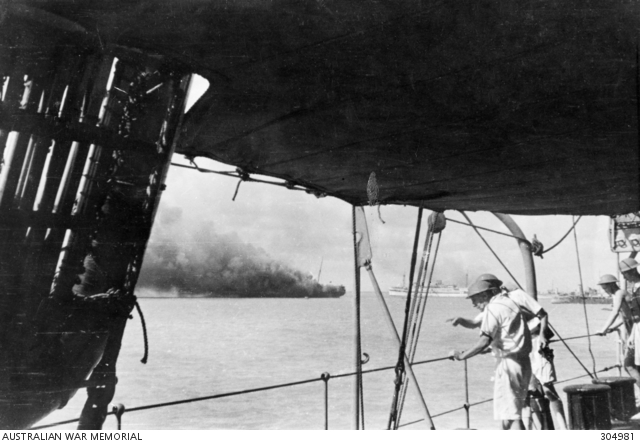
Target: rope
x=569 y=348
x=403 y=343
x=584 y=302
x=491 y=249
x=470 y=224
x=233 y=199
x=563 y=237
x=420 y=308
x=144 y=335
x=435 y=255
x=288 y=185
x=408 y=366
x=415 y=303
x=575 y=337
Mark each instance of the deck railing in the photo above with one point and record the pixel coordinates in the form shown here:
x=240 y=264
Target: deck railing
x=118 y=410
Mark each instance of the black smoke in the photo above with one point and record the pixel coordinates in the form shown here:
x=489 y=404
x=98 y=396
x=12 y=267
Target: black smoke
x=192 y=259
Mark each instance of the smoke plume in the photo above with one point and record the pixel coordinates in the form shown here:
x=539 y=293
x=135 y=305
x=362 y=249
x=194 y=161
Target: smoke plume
x=193 y=259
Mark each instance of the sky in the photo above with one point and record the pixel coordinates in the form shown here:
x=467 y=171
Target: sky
x=305 y=233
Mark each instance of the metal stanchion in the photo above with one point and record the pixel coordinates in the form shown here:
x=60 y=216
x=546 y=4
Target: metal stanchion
x=118 y=410
x=325 y=377
x=466 y=394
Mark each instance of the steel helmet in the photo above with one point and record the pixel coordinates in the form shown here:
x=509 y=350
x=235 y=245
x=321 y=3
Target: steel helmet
x=488 y=277
x=480 y=287
x=607 y=279
x=628 y=264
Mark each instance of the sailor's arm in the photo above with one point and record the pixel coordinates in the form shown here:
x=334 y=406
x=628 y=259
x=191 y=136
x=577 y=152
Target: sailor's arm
x=615 y=325
x=544 y=325
x=478 y=348
x=464 y=322
x=617 y=303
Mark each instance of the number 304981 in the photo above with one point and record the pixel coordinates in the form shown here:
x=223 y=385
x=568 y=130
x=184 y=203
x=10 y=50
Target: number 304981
x=618 y=436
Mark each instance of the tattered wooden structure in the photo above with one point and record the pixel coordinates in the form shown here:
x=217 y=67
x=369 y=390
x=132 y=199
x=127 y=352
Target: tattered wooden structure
x=86 y=134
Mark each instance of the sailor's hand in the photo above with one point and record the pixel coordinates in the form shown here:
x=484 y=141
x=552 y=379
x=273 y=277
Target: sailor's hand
x=455 y=355
x=544 y=342
x=602 y=332
x=454 y=321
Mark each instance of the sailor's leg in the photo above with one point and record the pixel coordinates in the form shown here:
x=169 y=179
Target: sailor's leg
x=630 y=367
x=535 y=417
x=512 y=424
x=556 y=407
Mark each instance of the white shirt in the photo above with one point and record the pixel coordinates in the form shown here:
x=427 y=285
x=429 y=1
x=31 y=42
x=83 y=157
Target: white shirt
x=503 y=322
x=529 y=306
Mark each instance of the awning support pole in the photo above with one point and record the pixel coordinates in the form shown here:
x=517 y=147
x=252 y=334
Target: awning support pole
x=525 y=249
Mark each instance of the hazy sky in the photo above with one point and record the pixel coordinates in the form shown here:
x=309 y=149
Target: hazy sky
x=301 y=230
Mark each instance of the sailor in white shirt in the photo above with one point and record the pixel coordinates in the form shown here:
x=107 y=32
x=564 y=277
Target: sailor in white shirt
x=504 y=328
x=543 y=370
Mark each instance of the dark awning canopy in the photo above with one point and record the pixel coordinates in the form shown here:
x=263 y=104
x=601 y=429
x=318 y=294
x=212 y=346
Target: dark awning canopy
x=519 y=107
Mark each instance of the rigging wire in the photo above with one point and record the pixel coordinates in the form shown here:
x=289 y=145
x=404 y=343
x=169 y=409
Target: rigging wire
x=420 y=310
x=415 y=302
x=563 y=237
x=569 y=349
x=584 y=302
x=392 y=424
x=391 y=324
x=491 y=249
x=470 y=224
x=246 y=178
x=421 y=316
x=518 y=284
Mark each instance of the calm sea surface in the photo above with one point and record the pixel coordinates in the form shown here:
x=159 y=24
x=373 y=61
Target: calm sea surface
x=203 y=347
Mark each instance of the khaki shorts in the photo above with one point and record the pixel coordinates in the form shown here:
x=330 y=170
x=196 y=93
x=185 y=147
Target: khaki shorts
x=511 y=381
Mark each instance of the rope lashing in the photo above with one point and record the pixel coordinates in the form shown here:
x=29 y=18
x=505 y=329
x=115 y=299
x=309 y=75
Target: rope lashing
x=144 y=334
x=244 y=176
x=537 y=249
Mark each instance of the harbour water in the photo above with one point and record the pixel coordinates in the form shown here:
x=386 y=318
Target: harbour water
x=201 y=347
